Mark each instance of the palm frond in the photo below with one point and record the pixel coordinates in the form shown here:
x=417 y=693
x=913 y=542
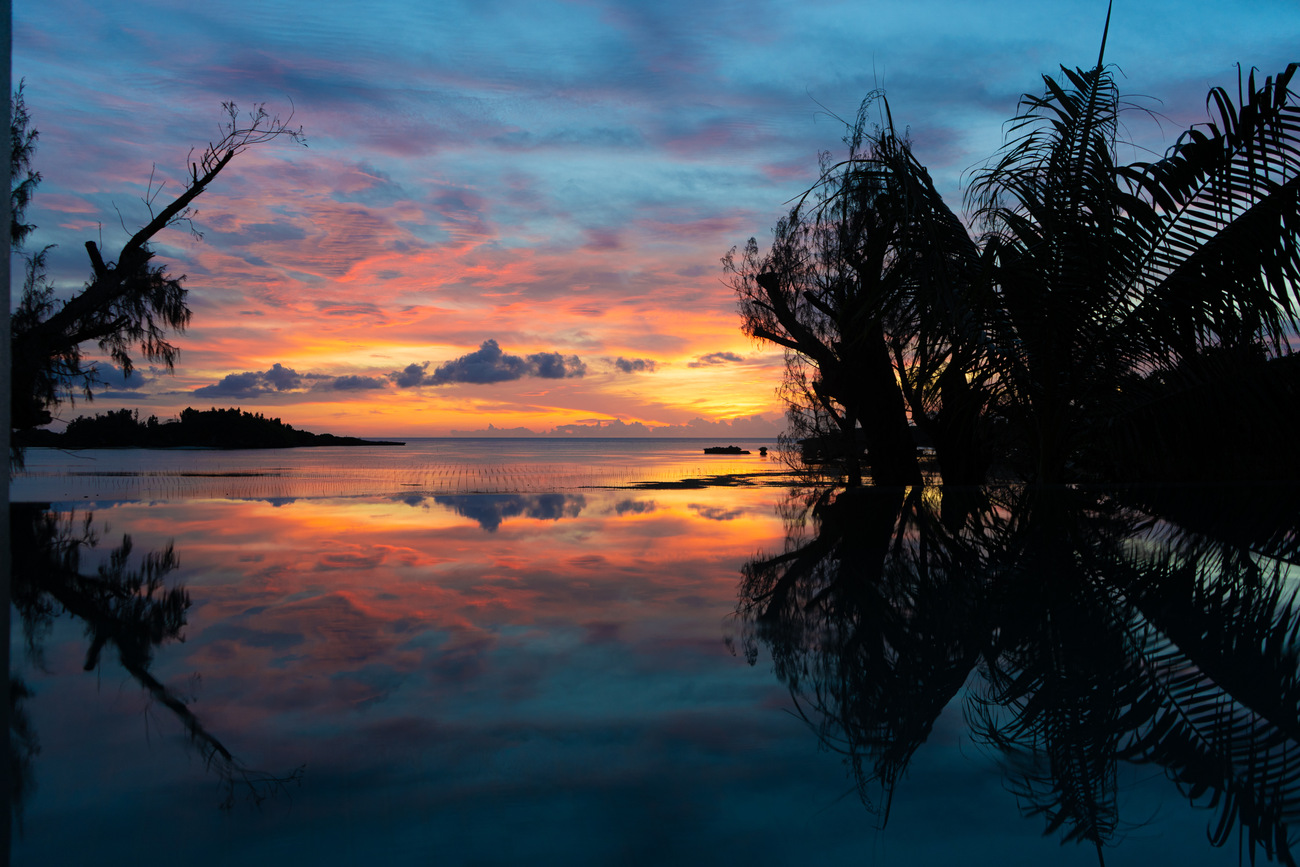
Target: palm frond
x=1222 y=262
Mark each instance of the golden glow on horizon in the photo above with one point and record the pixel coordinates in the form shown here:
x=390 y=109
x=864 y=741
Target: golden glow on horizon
x=321 y=291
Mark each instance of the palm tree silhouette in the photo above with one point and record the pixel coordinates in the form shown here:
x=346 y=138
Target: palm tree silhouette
x=1101 y=311
x=1104 y=273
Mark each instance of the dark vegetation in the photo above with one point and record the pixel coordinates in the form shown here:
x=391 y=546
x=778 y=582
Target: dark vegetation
x=128 y=307
x=212 y=428
x=130 y=304
x=1109 y=321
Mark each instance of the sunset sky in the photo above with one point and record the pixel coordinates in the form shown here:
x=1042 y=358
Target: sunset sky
x=512 y=213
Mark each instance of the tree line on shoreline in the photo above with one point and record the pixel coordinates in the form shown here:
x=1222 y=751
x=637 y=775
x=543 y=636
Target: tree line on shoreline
x=211 y=428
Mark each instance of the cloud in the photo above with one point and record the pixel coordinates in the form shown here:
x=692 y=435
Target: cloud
x=489 y=364
x=254 y=383
x=494 y=431
x=613 y=428
x=280 y=380
x=755 y=425
x=353 y=383
x=409 y=376
x=486 y=365
x=751 y=426
x=634 y=365
x=112 y=380
x=604 y=138
x=553 y=365
x=716 y=358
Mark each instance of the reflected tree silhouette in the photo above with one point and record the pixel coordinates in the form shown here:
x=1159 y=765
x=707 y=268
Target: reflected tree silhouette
x=1081 y=629
x=125 y=608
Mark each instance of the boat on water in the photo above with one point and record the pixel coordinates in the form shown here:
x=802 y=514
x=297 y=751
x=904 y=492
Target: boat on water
x=725 y=450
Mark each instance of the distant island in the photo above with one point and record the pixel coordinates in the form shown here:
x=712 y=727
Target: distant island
x=212 y=428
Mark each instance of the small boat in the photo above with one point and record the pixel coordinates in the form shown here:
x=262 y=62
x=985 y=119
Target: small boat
x=725 y=450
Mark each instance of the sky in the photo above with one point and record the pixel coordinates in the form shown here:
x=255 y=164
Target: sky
x=509 y=216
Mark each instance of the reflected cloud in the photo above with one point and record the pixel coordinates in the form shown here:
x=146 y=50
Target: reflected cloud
x=490 y=510
x=715 y=513
x=634 y=507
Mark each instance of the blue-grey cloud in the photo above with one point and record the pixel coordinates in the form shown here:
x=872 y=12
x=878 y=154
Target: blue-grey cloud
x=251 y=233
x=281 y=380
x=553 y=365
x=354 y=383
x=254 y=383
x=409 y=376
x=489 y=364
x=612 y=428
x=751 y=426
x=716 y=358
x=634 y=365
x=111 y=379
x=485 y=365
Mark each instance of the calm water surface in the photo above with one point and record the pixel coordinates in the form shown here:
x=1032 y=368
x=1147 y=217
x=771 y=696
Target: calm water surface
x=483 y=652
x=423 y=465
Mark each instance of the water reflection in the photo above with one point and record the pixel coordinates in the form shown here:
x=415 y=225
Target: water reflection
x=564 y=680
x=489 y=510
x=559 y=678
x=1078 y=630
x=126 y=607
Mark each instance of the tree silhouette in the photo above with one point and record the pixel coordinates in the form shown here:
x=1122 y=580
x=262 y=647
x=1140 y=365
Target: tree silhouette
x=24 y=180
x=1103 y=273
x=1099 y=300
x=862 y=287
x=130 y=304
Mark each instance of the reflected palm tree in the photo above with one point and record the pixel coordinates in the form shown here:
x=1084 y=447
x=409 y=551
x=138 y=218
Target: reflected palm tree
x=124 y=608
x=1086 y=631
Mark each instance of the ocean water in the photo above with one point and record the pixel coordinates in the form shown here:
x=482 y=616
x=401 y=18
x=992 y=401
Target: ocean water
x=480 y=652
x=422 y=465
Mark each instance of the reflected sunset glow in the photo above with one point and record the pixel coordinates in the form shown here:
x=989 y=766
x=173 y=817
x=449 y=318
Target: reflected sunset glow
x=568 y=651
x=475 y=641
